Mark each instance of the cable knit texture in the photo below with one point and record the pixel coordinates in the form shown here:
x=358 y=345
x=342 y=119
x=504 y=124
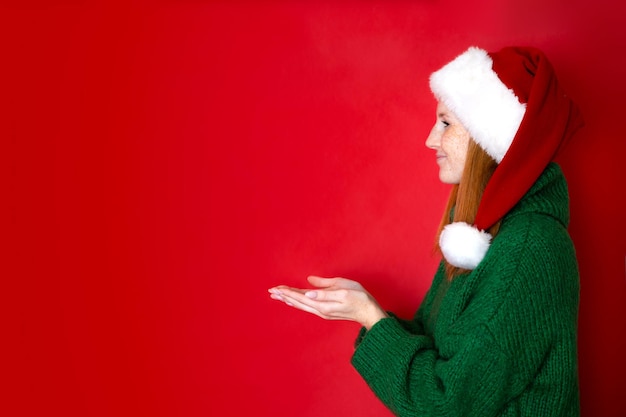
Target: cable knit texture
x=498 y=341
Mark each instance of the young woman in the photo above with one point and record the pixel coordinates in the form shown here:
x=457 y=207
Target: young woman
x=496 y=333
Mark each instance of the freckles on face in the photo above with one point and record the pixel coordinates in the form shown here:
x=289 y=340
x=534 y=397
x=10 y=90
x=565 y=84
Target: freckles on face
x=450 y=140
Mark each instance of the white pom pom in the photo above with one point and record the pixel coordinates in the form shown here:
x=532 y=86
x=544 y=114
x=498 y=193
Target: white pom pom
x=463 y=245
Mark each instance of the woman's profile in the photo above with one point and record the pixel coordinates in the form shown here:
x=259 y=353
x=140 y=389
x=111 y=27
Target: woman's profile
x=496 y=333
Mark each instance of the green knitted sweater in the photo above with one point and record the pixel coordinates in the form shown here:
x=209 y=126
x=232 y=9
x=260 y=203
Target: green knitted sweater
x=498 y=341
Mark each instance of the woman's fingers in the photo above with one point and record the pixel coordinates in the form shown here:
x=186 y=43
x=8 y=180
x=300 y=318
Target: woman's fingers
x=296 y=303
x=288 y=294
x=317 y=297
x=296 y=298
x=321 y=282
x=334 y=283
x=339 y=295
x=313 y=301
x=334 y=298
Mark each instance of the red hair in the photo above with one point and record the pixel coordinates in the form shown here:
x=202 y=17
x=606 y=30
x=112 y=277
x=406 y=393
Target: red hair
x=465 y=196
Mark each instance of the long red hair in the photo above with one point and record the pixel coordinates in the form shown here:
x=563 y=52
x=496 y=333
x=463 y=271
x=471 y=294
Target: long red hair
x=465 y=196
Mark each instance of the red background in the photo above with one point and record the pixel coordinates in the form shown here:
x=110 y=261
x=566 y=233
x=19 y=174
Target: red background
x=165 y=163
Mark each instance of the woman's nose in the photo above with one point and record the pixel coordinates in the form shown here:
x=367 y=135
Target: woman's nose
x=432 y=141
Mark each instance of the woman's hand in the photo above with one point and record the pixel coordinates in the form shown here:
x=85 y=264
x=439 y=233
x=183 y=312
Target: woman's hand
x=333 y=299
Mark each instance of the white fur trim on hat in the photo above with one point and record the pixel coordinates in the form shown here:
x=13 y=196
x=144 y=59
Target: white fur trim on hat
x=486 y=107
x=463 y=245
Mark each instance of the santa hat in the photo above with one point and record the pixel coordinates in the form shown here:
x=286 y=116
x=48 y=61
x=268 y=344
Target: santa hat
x=513 y=107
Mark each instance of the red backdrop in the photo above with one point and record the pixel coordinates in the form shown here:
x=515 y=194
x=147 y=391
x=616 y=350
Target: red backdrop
x=165 y=163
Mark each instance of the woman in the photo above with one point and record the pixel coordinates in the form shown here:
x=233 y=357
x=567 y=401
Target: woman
x=496 y=333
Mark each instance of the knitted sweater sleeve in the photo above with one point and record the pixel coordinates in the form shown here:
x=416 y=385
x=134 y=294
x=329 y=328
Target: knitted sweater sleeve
x=408 y=374
x=412 y=326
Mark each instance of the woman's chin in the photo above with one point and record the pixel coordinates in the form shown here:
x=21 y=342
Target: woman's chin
x=446 y=178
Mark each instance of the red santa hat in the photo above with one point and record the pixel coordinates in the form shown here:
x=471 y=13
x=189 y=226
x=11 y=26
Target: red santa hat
x=513 y=107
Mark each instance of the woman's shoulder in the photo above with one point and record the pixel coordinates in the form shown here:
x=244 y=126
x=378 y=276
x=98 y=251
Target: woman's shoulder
x=532 y=236
x=532 y=250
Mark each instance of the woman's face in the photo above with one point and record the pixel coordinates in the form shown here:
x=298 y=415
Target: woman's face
x=450 y=141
